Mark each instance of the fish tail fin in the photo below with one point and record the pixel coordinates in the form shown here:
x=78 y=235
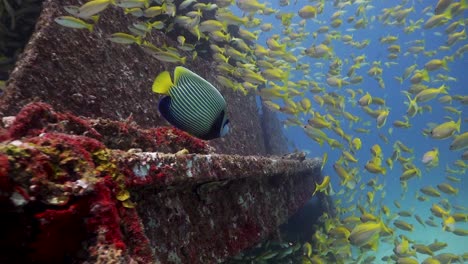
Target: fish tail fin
x=444 y=89
x=138 y=40
x=329 y=190
x=445 y=227
x=183 y=60
x=425 y=75
x=225 y=26
x=400 y=79
x=444 y=63
x=286 y=77
x=320 y=141
x=448 y=13
x=412 y=102
x=458 y=124
x=385 y=228
x=463 y=4
x=283 y=47
x=196 y=30
x=344 y=182
x=374 y=245
x=95 y=18
x=316 y=189
x=90 y=27
x=162 y=83
x=449 y=58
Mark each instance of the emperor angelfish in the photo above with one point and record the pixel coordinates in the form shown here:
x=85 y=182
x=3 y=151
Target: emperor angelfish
x=192 y=104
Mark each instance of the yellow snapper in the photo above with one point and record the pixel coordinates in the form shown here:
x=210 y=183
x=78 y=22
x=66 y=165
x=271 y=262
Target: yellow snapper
x=366 y=233
x=322 y=187
x=430 y=93
x=307 y=12
x=446 y=129
x=403 y=225
x=447 y=188
x=431 y=158
x=430 y=191
x=460 y=142
x=72 y=22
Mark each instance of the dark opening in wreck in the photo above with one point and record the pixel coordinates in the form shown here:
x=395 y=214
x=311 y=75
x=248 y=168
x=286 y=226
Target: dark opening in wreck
x=17 y=22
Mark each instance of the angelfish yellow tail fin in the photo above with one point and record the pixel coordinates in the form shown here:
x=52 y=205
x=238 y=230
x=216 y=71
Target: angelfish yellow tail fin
x=162 y=83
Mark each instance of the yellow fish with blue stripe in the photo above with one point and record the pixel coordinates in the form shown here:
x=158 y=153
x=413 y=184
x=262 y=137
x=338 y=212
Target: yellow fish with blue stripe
x=192 y=104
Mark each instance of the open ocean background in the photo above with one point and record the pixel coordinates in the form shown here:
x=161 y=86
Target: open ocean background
x=392 y=93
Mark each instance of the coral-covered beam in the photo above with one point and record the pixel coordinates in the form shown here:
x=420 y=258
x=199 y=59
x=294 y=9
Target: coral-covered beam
x=72 y=194
x=81 y=190
x=173 y=169
x=204 y=208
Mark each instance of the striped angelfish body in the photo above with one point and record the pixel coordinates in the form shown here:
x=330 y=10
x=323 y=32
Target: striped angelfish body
x=194 y=105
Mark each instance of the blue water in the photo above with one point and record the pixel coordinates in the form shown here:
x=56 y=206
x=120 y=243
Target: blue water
x=411 y=137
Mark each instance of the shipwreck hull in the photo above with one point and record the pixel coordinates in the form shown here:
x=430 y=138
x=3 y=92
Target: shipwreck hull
x=222 y=208
x=89 y=170
x=67 y=197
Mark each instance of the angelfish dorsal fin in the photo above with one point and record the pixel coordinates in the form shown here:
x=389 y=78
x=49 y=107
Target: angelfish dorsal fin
x=184 y=73
x=162 y=83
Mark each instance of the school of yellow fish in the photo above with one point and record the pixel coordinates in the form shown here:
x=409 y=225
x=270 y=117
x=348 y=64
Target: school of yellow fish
x=271 y=70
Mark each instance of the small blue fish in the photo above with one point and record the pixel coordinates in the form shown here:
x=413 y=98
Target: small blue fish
x=192 y=104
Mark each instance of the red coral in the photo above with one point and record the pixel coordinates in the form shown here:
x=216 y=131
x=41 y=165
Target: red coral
x=139 y=245
x=64 y=148
x=105 y=215
x=80 y=145
x=31 y=120
x=60 y=233
x=36 y=118
x=79 y=125
x=69 y=154
x=155 y=176
x=4 y=135
x=5 y=182
x=4 y=166
x=176 y=138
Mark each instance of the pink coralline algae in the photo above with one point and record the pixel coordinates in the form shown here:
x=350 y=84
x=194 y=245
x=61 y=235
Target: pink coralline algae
x=59 y=180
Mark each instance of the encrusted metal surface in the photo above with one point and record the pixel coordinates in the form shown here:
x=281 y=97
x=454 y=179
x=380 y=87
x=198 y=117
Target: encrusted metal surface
x=65 y=194
x=214 y=167
x=204 y=208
